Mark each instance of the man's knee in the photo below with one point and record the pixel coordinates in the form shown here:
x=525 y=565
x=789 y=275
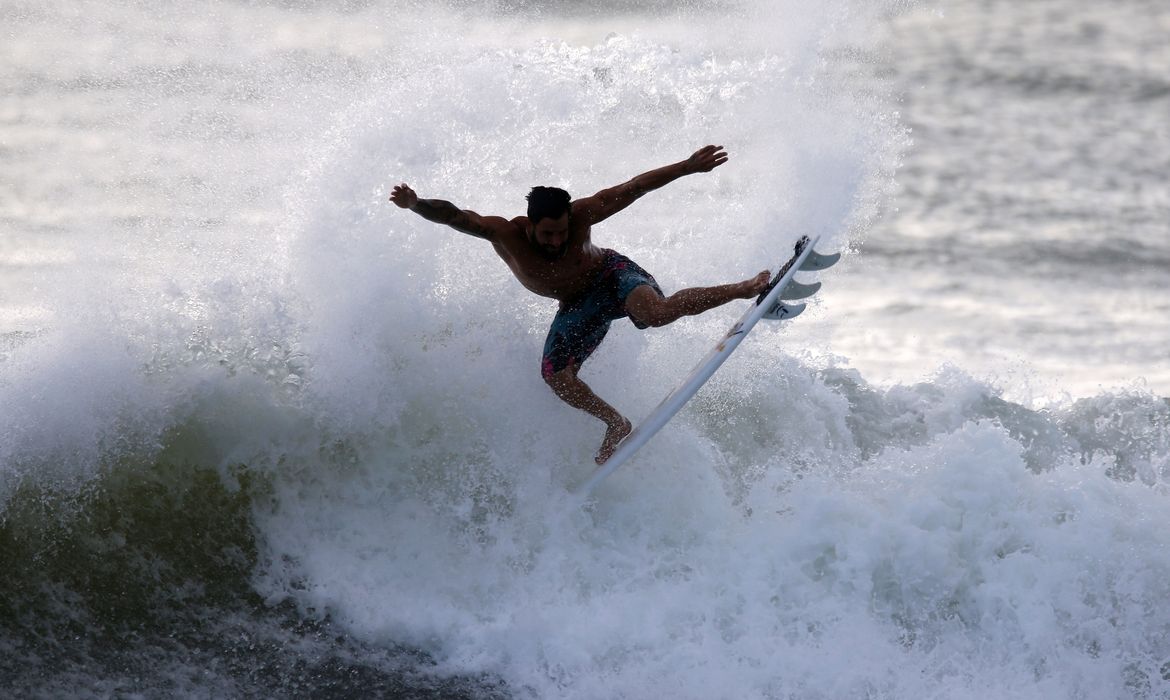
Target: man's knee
x=650 y=308
x=662 y=315
x=658 y=314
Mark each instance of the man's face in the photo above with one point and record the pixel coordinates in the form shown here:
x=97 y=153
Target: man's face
x=551 y=237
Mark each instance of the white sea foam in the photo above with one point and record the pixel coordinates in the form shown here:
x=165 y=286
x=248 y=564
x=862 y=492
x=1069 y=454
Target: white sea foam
x=713 y=568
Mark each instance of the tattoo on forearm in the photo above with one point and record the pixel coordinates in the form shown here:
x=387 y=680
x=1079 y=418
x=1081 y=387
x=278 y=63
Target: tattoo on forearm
x=444 y=212
x=437 y=210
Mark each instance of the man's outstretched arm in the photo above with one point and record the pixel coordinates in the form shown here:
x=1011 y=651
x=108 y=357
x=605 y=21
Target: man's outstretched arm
x=610 y=201
x=443 y=212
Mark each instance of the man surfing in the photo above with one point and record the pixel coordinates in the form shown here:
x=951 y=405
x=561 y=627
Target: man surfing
x=551 y=252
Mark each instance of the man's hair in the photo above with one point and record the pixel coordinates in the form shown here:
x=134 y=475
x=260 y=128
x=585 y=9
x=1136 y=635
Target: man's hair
x=547 y=202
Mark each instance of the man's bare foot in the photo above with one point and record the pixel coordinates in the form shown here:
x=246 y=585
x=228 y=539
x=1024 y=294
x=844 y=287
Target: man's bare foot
x=755 y=285
x=614 y=434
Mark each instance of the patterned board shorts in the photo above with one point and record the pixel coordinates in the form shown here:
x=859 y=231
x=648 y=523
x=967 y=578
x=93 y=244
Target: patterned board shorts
x=580 y=325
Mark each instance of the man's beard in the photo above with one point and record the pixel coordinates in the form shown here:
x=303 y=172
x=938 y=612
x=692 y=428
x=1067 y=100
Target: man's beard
x=551 y=253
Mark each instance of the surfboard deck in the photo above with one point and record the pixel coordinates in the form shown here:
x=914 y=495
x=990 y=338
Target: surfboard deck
x=769 y=304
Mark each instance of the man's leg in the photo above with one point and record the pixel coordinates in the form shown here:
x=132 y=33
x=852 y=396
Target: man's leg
x=570 y=389
x=645 y=305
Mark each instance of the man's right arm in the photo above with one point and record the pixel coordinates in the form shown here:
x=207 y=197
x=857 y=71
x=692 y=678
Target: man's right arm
x=610 y=201
x=443 y=212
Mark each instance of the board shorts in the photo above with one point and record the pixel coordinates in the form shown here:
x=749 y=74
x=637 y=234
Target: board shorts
x=580 y=325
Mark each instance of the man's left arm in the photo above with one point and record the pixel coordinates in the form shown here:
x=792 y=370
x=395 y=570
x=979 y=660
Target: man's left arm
x=610 y=201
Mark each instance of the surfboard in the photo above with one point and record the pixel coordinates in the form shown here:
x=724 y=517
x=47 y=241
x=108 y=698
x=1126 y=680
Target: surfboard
x=770 y=304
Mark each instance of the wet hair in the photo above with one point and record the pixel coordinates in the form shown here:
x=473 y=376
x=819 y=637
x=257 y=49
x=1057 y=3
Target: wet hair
x=547 y=203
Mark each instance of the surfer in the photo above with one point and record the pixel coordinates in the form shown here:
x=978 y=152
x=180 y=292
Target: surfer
x=550 y=251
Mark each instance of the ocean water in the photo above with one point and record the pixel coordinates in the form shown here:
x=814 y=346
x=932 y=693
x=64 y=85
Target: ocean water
x=263 y=434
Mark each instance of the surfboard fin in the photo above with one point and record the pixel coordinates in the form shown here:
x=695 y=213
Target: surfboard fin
x=817 y=261
x=796 y=290
x=783 y=312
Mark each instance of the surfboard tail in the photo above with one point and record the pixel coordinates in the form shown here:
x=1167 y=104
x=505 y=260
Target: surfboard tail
x=799 y=248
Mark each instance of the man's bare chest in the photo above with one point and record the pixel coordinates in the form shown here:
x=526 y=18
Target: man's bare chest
x=560 y=279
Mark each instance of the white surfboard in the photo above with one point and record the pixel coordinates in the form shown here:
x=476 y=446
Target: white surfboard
x=770 y=304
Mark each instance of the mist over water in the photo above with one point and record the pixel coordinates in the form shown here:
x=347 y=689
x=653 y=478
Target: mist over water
x=261 y=432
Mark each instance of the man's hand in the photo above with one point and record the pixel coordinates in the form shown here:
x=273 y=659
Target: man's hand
x=403 y=196
x=706 y=159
